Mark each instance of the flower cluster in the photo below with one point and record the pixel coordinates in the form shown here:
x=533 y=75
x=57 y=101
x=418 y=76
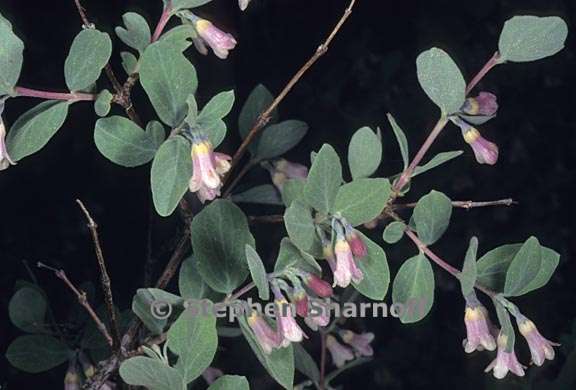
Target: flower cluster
x=357 y=345
x=481 y=334
x=5 y=160
x=478 y=110
x=219 y=41
x=208 y=168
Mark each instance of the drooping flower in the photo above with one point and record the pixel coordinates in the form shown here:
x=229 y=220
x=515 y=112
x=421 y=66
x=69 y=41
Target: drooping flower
x=209 y=167
x=300 y=299
x=485 y=104
x=486 y=152
x=243 y=4
x=282 y=170
x=505 y=360
x=356 y=244
x=5 y=160
x=346 y=268
x=221 y=42
x=359 y=342
x=540 y=348
x=287 y=326
x=318 y=315
x=478 y=336
x=211 y=374
x=340 y=353
x=267 y=338
x=317 y=285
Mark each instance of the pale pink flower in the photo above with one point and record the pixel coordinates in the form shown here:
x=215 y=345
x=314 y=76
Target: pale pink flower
x=505 y=360
x=220 y=41
x=340 y=354
x=484 y=104
x=346 y=268
x=478 y=327
x=359 y=342
x=540 y=348
x=266 y=337
x=283 y=170
x=287 y=326
x=208 y=169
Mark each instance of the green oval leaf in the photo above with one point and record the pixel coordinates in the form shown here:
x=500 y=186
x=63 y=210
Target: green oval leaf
x=262 y=194
x=37 y=353
x=364 y=153
x=394 y=232
x=219 y=235
x=277 y=139
x=230 y=382
x=168 y=78
x=89 y=54
x=524 y=268
x=151 y=373
x=103 y=103
x=290 y=256
x=11 y=58
x=170 y=174
x=32 y=131
x=530 y=38
x=257 y=102
x=432 y=216
x=300 y=227
x=414 y=288
x=190 y=283
x=258 y=272
x=137 y=32
x=324 y=180
x=469 y=272
x=194 y=339
x=124 y=143
x=27 y=310
x=441 y=79
x=362 y=200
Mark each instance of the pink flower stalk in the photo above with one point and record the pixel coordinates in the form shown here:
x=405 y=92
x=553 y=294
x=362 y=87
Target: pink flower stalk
x=243 y=4
x=319 y=315
x=478 y=336
x=209 y=167
x=318 y=286
x=505 y=361
x=5 y=160
x=359 y=342
x=267 y=338
x=220 y=41
x=283 y=170
x=287 y=326
x=356 y=244
x=484 y=104
x=346 y=268
x=540 y=348
x=211 y=374
x=340 y=354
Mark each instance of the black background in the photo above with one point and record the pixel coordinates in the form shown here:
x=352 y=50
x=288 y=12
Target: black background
x=369 y=71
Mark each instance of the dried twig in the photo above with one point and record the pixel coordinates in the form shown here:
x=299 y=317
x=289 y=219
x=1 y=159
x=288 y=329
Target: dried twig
x=264 y=118
x=81 y=296
x=104 y=277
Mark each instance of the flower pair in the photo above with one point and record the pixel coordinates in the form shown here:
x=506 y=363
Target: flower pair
x=342 y=258
x=475 y=111
x=208 y=169
x=358 y=345
x=219 y=41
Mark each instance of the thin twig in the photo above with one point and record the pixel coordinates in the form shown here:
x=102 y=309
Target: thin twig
x=466 y=204
x=266 y=219
x=237 y=178
x=104 y=277
x=264 y=118
x=81 y=296
x=73 y=97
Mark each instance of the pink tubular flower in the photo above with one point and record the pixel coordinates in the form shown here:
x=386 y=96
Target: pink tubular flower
x=300 y=299
x=211 y=374
x=319 y=314
x=287 y=326
x=478 y=327
x=318 y=286
x=220 y=41
x=340 y=354
x=505 y=361
x=359 y=342
x=267 y=338
x=486 y=152
x=484 y=104
x=209 y=167
x=346 y=268
x=5 y=160
x=283 y=170
x=540 y=348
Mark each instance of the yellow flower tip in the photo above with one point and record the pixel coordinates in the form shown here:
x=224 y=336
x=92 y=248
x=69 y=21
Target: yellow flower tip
x=202 y=25
x=253 y=317
x=474 y=107
x=471 y=135
x=341 y=246
x=473 y=313
x=201 y=148
x=502 y=340
x=327 y=252
x=526 y=327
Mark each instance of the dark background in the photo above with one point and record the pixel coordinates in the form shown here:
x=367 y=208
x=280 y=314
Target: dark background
x=369 y=71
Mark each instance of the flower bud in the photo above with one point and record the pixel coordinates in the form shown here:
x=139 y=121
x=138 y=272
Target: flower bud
x=356 y=244
x=300 y=299
x=484 y=104
x=486 y=152
x=318 y=286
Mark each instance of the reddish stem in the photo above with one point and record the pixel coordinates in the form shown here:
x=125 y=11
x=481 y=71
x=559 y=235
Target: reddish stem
x=492 y=62
x=164 y=18
x=21 y=91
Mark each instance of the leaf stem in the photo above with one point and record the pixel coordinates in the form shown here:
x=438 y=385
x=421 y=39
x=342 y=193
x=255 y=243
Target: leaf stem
x=164 y=18
x=27 y=92
x=492 y=62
